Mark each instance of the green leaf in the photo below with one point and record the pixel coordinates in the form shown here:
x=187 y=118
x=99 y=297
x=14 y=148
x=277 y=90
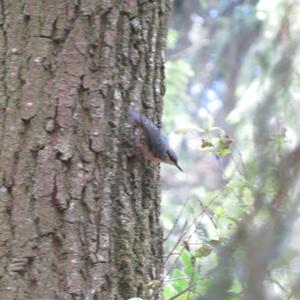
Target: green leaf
x=187 y=260
x=180 y=280
x=219 y=212
x=203 y=251
x=224 y=146
x=169 y=291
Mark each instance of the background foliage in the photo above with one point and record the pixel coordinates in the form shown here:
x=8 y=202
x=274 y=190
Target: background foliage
x=231 y=219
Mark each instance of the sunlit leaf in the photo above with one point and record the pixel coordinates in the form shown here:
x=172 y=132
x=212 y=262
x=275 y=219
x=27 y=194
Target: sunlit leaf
x=224 y=146
x=206 y=144
x=219 y=212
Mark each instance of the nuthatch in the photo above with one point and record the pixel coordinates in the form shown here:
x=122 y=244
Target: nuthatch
x=151 y=141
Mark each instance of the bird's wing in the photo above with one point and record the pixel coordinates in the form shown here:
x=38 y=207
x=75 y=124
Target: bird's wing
x=156 y=140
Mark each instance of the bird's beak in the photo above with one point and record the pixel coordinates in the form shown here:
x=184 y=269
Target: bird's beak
x=179 y=167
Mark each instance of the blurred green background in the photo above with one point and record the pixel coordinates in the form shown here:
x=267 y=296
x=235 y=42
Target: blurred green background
x=231 y=220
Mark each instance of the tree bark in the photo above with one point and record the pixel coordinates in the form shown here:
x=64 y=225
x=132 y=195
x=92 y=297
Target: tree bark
x=79 y=211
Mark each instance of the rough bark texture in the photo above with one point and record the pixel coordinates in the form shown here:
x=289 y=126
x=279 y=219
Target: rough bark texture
x=79 y=211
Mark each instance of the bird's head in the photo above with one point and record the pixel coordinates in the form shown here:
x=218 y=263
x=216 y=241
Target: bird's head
x=172 y=159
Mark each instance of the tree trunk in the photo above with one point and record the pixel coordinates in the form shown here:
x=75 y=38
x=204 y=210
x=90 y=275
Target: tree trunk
x=79 y=211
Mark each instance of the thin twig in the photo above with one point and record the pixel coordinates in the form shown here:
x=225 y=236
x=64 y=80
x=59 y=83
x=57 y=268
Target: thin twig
x=177 y=219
